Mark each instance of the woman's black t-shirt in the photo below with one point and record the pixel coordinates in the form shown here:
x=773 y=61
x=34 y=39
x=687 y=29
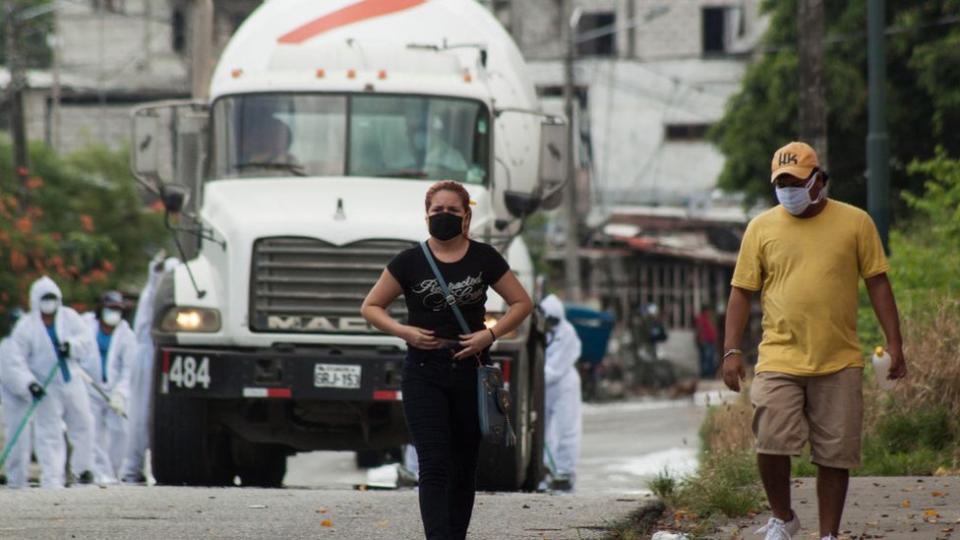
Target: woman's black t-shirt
x=468 y=279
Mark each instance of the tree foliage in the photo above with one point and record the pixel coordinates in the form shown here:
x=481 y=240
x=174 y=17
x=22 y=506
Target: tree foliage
x=80 y=221
x=923 y=96
x=34 y=50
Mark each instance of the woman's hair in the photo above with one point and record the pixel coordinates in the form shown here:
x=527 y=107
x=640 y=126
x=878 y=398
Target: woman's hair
x=448 y=185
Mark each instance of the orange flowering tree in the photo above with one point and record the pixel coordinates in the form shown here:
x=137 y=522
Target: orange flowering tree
x=78 y=219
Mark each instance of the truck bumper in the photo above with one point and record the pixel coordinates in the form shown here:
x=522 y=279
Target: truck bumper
x=362 y=374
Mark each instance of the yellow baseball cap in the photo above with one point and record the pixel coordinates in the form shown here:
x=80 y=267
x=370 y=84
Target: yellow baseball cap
x=796 y=158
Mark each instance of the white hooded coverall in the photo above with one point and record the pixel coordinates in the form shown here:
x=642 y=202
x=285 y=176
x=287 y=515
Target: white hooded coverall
x=110 y=430
x=139 y=409
x=15 y=402
x=66 y=401
x=564 y=425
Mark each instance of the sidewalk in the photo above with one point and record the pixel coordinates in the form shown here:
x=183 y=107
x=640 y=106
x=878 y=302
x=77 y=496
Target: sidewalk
x=892 y=508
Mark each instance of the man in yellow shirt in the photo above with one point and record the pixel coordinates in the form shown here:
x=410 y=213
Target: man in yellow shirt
x=807 y=256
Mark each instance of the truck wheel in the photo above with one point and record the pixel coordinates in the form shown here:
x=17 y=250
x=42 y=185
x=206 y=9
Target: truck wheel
x=538 y=398
x=260 y=465
x=186 y=452
x=509 y=469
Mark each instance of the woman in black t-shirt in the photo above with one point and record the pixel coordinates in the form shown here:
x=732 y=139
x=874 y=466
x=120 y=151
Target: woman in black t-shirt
x=439 y=376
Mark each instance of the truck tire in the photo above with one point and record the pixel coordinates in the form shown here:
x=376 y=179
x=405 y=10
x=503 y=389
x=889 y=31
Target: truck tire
x=509 y=469
x=185 y=451
x=535 y=469
x=260 y=465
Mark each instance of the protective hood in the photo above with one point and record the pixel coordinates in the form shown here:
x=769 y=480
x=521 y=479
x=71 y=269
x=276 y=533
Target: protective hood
x=39 y=289
x=553 y=307
x=563 y=344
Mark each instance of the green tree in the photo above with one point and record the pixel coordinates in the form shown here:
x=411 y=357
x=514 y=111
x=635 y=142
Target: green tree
x=923 y=96
x=33 y=34
x=81 y=222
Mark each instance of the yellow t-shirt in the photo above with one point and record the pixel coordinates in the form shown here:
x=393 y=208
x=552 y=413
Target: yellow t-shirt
x=809 y=270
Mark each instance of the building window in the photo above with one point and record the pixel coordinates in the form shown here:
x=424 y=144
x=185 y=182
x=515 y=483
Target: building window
x=599 y=27
x=686 y=132
x=179 y=30
x=714 y=30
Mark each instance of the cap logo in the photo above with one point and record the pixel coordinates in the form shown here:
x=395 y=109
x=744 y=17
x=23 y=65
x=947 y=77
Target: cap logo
x=787 y=158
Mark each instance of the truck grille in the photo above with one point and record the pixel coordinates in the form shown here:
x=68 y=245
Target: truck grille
x=306 y=285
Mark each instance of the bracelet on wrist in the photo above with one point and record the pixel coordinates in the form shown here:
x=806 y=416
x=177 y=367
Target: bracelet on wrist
x=492 y=334
x=732 y=352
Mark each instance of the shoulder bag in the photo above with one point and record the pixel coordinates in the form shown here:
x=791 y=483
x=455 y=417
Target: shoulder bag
x=493 y=400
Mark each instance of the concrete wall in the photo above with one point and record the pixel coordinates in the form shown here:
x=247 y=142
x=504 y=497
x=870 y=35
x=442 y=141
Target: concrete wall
x=124 y=52
x=630 y=105
x=128 y=48
x=674 y=28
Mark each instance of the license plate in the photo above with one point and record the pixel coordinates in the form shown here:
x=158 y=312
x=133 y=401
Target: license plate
x=336 y=376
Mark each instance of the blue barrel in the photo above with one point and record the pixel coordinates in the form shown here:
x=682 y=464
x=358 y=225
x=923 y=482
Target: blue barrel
x=594 y=329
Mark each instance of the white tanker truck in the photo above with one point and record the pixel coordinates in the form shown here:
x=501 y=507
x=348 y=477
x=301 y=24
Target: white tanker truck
x=289 y=189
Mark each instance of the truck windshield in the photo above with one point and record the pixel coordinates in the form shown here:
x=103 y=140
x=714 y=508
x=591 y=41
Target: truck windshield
x=390 y=136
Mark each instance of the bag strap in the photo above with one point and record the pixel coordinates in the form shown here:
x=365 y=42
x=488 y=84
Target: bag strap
x=450 y=299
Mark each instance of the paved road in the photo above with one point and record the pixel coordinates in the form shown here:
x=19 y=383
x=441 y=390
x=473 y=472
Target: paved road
x=892 y=508
x=624 y=444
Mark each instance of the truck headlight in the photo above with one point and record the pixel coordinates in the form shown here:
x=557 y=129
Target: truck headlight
x=190 y=319
x=490 y=320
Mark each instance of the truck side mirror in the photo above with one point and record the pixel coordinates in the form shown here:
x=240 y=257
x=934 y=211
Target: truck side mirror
x=554 y=147
x=521 y=204
x=174 y=197
x=146 y=143
x=169 y=143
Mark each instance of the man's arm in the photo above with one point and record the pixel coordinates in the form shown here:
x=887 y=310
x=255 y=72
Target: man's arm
x=738 y=311
x=885 y=306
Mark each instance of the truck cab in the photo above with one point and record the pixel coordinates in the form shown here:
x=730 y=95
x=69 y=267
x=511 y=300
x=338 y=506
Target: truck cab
x=289 y=189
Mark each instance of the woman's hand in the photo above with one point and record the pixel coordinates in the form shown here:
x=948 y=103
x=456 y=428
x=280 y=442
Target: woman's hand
x=474 y=343
x=419 y=338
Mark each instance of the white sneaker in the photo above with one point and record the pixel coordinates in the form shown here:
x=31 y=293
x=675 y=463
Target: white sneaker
x=777 y=529
x=831 y=537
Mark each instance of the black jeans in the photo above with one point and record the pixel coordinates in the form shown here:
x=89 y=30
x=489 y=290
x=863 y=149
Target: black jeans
x=440 y=405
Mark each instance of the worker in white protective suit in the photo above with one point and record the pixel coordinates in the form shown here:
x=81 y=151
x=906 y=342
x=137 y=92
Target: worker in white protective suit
x=110 y=370
x=564 y=426
x=48 y=343
x=139 y=406
x=14 y=401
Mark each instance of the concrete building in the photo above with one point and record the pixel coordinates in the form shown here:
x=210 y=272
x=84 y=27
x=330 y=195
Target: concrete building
x=110 y=55
x=652 y=77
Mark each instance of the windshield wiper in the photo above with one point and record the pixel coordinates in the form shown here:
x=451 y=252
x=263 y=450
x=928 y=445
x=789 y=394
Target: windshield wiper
x=289 y=167
x=403 y=173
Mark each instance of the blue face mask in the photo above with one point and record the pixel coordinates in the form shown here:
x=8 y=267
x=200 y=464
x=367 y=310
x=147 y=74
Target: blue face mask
x=796 y=200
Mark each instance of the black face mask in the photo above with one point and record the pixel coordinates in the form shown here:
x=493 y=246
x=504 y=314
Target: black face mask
x=444 y=226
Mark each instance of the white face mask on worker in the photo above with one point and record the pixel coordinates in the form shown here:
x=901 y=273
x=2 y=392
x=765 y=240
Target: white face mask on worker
x=796 y=200
x=49 y=307
x=111 y=317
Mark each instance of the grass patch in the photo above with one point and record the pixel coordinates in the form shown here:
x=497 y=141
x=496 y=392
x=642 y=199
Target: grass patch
x=663 y=485
x=725 y=484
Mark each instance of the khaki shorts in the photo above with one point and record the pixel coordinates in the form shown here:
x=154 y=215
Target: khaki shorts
x=826 y=410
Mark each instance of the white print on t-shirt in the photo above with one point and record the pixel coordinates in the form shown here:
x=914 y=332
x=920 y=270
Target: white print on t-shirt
x=468 y=291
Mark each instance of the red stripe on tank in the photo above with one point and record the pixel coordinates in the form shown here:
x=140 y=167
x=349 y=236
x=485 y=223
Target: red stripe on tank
x=361 y=11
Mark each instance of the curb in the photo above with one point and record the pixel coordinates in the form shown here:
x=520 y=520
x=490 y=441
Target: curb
x=640 y=521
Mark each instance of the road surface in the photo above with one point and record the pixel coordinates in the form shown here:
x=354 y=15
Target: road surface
x=624 y=445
